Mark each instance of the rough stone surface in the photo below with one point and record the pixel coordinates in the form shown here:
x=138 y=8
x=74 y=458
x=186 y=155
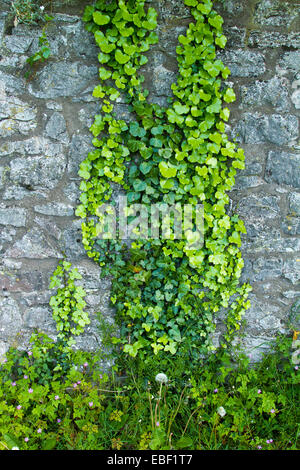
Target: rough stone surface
x=44 y=135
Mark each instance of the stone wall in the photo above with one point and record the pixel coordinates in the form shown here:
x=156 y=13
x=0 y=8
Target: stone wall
x=44 y=135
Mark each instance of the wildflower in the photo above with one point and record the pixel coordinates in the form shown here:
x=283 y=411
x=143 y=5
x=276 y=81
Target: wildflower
x=56 y=397
x=215 y=390
x=26 y=439
x=42 y=8
x=30 y=390
x=58 y=420
x=272 y=411
x=74 y=385
x=296 y=367
x=39 y=431
x=259 y=391
x=161 y=378
x=15 y=448
x=85 y=364
x=91 y=404
x=259 y=447
x=13 y=384
x=25 y=377
x=29 y=353
x=101 y=376
x=221 y=411
x=157 y=424
x=79 y=382
x=19 y=407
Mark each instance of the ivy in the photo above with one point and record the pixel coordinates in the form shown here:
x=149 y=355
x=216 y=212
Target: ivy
x=68 y=304
x=166 y=295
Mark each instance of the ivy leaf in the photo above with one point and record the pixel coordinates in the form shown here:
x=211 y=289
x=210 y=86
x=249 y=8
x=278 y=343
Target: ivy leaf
x=146 y=167
x=191 y=3
x=104 y=74
x=216 y=22
x=121 y=58
x=100 y=19
x=229 y=96
x=181 y=108
x=221 y=41
x=88 y=13
x=136 y=131
x=167 y=170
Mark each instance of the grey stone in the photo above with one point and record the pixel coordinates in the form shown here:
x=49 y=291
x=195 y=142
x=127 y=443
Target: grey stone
x=290 y=61
x=13 y=216
x=80 y=146
x=10 y=318
x=2 y=27
x=19 y=44
x=55 y=209
x=255 y=128
x=71 y=241
x=294 y=317
x=273 y=39
x=36 y=145
x=11 y=83
x=233 y=7
x=263 y=316
x=170 y=10
x=283 y=168
x=244 y=182
x=291 y=270
x=80 y=41
x=72 y=191
x=276 y=13
x=294 y=203
x=296 y=98
x=272 y=93
x=18 y=193
x=2 y=176
x=56 y=128
x=243 y=63
x=3 y=345
x=33 y=245
x=38 y=317
x=168 y=37
x=37 y=172
x=16 y=117
x=259 y=207
x=236 y=37
x=62 y=79
x=48 y=226
x=269 y=268
x=159 y=78
x=291 y=226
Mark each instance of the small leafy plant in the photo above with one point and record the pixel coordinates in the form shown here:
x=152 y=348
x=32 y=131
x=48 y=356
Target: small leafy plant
x=29 y=12
x=43 y=53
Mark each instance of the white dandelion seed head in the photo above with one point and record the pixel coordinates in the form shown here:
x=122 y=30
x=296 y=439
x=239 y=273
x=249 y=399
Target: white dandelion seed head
x=221 y=411
x=161 y=378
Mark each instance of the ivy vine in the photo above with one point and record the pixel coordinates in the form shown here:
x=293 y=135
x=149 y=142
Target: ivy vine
x=166 y=295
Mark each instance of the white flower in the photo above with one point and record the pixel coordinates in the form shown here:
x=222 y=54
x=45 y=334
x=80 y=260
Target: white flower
x=221 y=411
x=15 y=448
x=161 y=378
x=42 y=8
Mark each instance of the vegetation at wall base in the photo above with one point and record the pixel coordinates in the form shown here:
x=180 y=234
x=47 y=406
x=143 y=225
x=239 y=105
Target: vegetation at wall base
x=226 y=405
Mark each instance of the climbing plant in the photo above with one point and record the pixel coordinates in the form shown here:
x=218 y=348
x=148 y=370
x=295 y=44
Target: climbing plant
x=166 y=293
